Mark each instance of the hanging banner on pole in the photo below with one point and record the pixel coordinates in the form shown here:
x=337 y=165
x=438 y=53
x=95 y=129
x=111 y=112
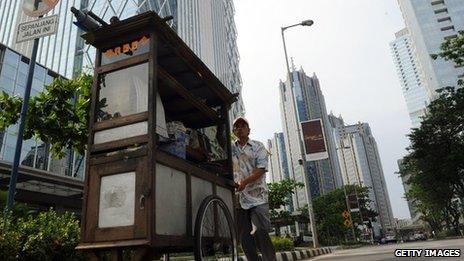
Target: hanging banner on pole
x=314 y=140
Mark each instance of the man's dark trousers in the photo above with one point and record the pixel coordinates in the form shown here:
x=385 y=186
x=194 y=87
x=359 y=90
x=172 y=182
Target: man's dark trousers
x=259 y=215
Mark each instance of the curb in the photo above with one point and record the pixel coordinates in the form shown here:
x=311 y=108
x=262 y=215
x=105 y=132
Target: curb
x=297 y=254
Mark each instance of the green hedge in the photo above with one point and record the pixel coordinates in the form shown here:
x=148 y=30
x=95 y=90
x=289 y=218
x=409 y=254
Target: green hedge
x=282 y=244
x=45 y=236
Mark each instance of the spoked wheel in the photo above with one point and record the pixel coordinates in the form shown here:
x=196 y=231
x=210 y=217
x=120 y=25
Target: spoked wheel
x=214 y=231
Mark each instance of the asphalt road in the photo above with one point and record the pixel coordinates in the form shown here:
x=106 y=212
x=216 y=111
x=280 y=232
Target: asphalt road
x=387 y=252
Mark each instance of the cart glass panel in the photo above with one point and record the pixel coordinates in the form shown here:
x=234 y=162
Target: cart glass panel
x=123 y=92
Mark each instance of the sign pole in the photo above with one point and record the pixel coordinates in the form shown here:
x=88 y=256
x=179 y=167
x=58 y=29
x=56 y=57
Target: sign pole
x=44 y=27
x=19 y=141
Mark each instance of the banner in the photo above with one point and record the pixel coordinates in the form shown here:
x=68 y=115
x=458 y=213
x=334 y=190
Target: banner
x=314 y=140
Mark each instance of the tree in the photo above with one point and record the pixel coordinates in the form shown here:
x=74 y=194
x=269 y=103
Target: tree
x=328 y=211
x=280 y=194
x=434 y=167
x=59 y=115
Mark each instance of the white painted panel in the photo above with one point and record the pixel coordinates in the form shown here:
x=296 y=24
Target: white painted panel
x=200 y=190
x=122 y=132
x=228 y=197
x=171 y=201
x=117 y=200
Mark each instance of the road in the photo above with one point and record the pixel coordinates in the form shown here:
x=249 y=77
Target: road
x=387 y=252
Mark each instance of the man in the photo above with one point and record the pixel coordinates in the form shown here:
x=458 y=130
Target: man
x=250 y=164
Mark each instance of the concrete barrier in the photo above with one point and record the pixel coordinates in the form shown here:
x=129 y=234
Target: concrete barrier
x=298 y=254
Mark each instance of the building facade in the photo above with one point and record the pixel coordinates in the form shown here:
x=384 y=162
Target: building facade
x=430 y=22
x=360 y=164
x=68 y=55
x=415 y=215
x=410 y=75
x=43 y=180
x=278 y=163
x=35 y=153
x=323 y=175
x=207 y=26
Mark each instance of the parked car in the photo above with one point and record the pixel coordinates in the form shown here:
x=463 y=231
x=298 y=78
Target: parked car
x=420 y=236
x=388 y=239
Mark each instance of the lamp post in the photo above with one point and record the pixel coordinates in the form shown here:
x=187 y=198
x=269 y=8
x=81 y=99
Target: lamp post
x=308 y=190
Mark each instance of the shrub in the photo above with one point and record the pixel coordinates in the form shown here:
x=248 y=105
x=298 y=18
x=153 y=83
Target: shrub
x=46 y=236
x=282 y=244
x=9 y=239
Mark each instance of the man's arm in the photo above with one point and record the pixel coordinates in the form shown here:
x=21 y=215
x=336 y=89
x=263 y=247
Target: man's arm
x=255 y=175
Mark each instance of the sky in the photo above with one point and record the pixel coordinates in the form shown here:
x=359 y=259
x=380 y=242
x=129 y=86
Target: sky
x=348 y=49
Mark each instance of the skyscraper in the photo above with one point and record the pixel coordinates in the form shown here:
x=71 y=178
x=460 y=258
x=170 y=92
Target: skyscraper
x=411 y=76
x=429 y=24
x=207 y=26
x=278 y=167
x=35 y=153
x=323 y=175
x=65 y=52
x=360 y=164
x=415 y=215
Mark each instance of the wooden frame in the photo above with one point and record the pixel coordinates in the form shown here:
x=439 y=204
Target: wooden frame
x=191 y=93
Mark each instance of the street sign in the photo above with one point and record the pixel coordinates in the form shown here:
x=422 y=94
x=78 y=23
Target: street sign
x=347 y=223
x=36 y=8
x=346 y=214
x=37 y=28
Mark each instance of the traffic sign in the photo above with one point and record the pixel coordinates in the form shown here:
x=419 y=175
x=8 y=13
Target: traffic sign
x=346 y=214
x=347 y=223
x=37 y=28
x=36 y=8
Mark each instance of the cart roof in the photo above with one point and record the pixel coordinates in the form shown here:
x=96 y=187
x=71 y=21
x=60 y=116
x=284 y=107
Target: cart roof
x=174 y=56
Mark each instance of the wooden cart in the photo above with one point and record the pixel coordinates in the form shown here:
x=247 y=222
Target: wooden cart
x=138 y=197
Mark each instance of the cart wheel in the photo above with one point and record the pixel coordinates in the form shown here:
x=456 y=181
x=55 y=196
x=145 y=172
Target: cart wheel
x=214 y=231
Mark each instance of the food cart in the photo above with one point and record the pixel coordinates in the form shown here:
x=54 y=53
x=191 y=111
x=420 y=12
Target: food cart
x=159 y=173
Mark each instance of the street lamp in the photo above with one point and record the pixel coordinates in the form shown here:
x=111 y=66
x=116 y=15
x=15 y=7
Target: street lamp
x=308 y=189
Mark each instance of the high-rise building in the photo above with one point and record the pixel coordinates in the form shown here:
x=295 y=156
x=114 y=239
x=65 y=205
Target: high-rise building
x=411 y=76
x=38 y=182
x=207 y=26
x=429 y=23
x=404 y=178
x=323 y=175
x=360 y=164
x=278 y=167
x=65 y=52
x=13 y=75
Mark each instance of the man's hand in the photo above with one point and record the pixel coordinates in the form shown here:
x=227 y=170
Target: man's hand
x=255 y=175
x=240 y=186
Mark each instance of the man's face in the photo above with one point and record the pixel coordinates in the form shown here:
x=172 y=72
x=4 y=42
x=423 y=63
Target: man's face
x=241 y=130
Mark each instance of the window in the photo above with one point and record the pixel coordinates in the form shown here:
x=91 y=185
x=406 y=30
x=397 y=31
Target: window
x=446 y=28
x=444 y=19
x=41 y=161
x=442 y=10
x=6 y=84
x=450 y=37
x=11 y=58
x=437 y=2
x=123 y=92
